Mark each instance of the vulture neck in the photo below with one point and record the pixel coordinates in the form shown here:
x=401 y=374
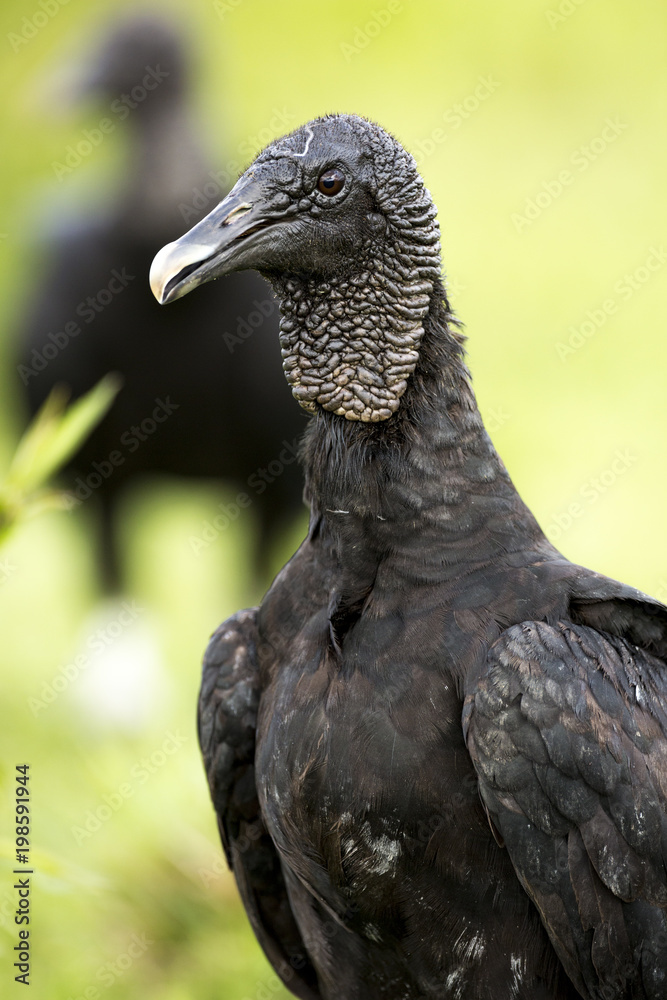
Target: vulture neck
x=165 y=163
x=428 y=478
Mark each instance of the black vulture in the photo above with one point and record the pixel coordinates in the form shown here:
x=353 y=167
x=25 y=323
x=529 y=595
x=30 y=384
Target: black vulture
x=219 y=410
x=437 y=750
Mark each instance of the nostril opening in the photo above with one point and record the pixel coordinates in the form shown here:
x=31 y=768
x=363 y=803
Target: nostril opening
x=235 y=214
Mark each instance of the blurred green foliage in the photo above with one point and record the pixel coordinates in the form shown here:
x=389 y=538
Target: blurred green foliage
x=499 y=103
x=54 y=435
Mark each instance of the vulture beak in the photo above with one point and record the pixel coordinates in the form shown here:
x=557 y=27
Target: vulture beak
x=215 y=246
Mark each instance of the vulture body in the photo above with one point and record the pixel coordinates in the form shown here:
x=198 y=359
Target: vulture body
x=222 y=410
x=438 y=750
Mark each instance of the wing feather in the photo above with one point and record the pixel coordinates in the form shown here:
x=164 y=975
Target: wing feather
x=567 y=731
x=228 y=703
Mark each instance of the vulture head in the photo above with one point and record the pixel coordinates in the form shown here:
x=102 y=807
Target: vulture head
x=142 y=47
x=336 y=216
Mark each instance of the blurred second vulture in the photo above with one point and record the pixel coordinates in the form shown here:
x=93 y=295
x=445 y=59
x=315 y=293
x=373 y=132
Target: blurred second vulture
x=203 y=412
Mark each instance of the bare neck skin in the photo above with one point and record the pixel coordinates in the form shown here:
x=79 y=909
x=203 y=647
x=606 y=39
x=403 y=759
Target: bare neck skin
x=428 y=476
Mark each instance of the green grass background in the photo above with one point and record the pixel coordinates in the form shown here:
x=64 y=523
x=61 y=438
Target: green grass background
x=560 y=70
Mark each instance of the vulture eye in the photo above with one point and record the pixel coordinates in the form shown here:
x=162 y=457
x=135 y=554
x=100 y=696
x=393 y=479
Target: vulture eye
x=331 y=181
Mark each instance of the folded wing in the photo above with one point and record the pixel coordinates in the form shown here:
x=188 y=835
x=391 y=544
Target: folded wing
x=567 y=730
x=228 y=703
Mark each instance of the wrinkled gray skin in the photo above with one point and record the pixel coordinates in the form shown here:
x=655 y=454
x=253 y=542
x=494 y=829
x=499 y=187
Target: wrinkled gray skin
x=437 y=750
x=351 y=331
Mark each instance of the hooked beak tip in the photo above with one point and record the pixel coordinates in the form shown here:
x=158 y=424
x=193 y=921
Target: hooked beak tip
x=171 y=267
x=160 y=272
